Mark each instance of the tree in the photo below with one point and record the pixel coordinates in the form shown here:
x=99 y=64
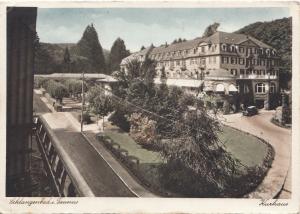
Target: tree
x=196 y=150
x=67 y=59
x=117 y=53
x=56 y=90
x=135 y=86
x=211 y=29
x=100 y=104
x=74 y=87
x=142 y=48
x=89 y=47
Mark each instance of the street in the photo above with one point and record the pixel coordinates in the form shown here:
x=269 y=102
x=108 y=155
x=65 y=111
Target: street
x=280 y=138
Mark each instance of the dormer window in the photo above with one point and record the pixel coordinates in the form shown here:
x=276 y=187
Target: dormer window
x=224 y=47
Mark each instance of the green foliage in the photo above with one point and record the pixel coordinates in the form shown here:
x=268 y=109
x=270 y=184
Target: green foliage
x=89 y=47
x=118 y=52
x=67 y=56
x=74 y=87
x=211 y=29
x=39 y=82
x=99 y=103
x=142 y=129
x=56 y=90
x=278 y=34
x=197 y=148
x=226 y=107
x=86 y=117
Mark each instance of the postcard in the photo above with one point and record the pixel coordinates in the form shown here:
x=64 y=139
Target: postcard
x=150 y=107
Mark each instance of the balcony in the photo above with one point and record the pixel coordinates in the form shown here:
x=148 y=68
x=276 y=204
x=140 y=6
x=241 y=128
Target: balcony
x=256 y=76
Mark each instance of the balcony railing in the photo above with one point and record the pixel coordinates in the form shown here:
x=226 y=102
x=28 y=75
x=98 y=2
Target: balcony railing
x=67 y=181
x=256 y=76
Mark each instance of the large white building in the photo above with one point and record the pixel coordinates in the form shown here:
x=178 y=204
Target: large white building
x=225 y=63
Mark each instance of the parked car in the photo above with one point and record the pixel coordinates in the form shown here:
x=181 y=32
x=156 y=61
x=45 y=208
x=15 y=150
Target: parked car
x=250 y=111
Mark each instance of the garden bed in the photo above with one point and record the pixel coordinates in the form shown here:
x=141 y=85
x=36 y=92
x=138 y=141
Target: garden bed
x=145 y=164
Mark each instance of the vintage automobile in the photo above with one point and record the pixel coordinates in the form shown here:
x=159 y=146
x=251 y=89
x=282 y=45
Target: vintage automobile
x=250 y=111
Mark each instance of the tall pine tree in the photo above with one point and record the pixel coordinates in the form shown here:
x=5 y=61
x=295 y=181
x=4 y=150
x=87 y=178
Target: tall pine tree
x=67 y=60
x=117 y=53
x=89 y=47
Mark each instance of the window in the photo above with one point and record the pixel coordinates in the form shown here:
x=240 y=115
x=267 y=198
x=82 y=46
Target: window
x=232 y=48
x=233 y=72
x=260 y=88
x=195 y=50
x=214 y=60
x=177 y=62
x=203 y=61
x=202 y=49
x=272 y=88
x=224 y=47
x=242 y=71
x=232 y=60
x=241 y=61
x=241 y=49
x=225 y=59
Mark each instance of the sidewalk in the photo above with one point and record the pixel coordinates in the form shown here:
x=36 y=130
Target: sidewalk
x=90 y=135
x=279 y=138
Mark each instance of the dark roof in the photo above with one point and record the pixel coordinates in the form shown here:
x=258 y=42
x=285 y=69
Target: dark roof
x=216 y=38
x=186 y=45
x=233 y=38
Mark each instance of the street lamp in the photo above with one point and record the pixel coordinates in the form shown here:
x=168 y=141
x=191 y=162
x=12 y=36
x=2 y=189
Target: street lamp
x=82 y=102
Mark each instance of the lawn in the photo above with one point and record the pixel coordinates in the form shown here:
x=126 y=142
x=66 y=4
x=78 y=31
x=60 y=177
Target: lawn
x=248 y=149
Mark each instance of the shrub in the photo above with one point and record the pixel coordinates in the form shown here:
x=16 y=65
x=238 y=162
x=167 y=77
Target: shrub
x=118 y=118
x=226 y=107
x=56 y=89
x=177 y=178
x=39 y=82
x=86 y=118
x=142 y=129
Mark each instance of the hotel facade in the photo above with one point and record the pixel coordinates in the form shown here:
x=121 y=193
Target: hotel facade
x=233 y=67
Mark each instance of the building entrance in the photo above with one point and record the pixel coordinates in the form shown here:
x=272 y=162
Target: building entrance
x=259 y=104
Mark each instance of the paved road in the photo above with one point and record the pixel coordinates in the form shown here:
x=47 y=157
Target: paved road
x=39 y=106
x=96 y=172
x=279 y=138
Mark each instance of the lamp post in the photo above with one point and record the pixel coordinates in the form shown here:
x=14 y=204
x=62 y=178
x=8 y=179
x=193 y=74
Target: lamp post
x=82 y=102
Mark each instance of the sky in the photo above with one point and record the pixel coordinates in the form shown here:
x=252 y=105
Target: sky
x=144 y=26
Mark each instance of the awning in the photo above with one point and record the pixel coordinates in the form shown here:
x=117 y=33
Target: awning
x=208 y=88
x=232 y=88
x=220 y=88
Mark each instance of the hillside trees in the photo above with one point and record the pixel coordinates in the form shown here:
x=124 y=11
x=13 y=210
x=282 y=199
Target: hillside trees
x=89 y=47
x=67 y=60
x=117 y=53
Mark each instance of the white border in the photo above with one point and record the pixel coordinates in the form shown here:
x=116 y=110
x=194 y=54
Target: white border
x=159 y=205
